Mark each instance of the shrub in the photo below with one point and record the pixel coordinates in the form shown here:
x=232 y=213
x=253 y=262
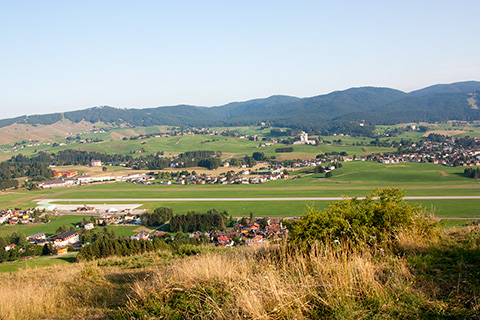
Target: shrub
x=378 y=218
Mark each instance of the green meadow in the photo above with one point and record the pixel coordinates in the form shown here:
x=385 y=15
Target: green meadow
x=35 y=263
x=56 y=222
x=230 y=146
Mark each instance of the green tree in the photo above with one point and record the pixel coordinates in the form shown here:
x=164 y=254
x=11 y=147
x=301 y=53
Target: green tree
x=48 y=249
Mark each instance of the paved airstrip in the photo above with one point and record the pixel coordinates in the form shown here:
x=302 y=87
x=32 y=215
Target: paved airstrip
x=142 y=200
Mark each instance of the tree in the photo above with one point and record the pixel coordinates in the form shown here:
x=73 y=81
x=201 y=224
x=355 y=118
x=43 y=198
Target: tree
x=328 y=174
x=319 y=169
x=104 y=168
x=48 y=249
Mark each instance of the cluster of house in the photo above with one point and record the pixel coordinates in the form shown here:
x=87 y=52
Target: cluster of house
x=114 y=218
x=250 y=233
x=240 y=177
x=317 y=162
x=21 y=146
x=446 y=153
x=70 y=179
x=16 y=216
x=60 y=242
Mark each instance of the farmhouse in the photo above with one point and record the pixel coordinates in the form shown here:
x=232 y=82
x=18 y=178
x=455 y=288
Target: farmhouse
x=56 y=183
x=142 y=235
x=36 y=236
x=96 y=163
x=69 y=237
x=89 y=226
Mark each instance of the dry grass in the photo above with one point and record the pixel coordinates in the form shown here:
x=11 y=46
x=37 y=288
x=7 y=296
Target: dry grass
x=35 y=294
x=276 y=281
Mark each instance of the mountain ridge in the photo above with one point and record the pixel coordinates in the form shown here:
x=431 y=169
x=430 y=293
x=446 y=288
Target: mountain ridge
x=376 y=105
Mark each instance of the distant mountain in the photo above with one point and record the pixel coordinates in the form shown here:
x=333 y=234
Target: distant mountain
x=334 y=111
x=457 y=87
x=235 y=109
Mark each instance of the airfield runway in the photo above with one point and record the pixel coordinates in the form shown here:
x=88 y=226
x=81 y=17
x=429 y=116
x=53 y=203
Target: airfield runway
x=141 y=200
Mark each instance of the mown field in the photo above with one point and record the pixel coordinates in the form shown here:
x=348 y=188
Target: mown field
x=35 y=263
x=353 y=179
x=57 y=222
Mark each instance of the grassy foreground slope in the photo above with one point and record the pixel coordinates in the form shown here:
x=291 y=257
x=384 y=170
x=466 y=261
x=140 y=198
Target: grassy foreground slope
x=427 y=279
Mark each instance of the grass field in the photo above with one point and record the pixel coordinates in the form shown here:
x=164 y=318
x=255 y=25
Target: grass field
x=64 y=220
x=230 y=146
x=353 y=179
x=35 y=263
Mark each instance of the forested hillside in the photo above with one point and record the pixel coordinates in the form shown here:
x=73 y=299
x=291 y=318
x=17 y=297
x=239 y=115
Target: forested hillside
x=331 y=112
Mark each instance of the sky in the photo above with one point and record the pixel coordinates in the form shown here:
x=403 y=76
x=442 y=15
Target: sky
x=58 y=56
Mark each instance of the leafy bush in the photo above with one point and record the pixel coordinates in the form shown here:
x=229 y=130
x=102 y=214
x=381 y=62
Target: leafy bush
x=378 y=217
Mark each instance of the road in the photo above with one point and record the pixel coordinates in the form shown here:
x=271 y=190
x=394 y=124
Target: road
x=57 y=256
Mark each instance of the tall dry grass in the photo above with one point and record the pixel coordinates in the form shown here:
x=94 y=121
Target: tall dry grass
x=276 y=282
x=35 y=293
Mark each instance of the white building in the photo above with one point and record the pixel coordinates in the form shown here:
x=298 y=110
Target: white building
x=304 y=139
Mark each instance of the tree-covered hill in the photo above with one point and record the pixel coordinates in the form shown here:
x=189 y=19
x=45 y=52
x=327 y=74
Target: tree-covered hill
x=457 y=87
x=334 y=110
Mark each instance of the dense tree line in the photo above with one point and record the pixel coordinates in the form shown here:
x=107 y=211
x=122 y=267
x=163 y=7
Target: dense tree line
x=108 y=246
x=72 y=157
x=36 y=171
x=105 y=244
x=472 y=173
x=283 y=150
x=158 y=217
x=9 y=183
x=210 y=163
x=193 y=221
x=199 y=154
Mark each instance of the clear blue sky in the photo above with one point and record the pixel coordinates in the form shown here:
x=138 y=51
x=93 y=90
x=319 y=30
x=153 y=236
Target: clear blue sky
x=66 y=55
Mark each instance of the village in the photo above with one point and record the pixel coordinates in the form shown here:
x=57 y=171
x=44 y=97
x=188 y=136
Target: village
x=239 y=232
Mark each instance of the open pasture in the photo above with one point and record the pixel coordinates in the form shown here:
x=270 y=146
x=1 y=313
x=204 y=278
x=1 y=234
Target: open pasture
x=442 y=208
x=48 y=228
x=35 y=263
x=57 y=222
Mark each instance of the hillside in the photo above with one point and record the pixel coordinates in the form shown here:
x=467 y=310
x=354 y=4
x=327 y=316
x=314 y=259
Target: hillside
x=457 y=87
x=431 y=277
x=444 y=102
